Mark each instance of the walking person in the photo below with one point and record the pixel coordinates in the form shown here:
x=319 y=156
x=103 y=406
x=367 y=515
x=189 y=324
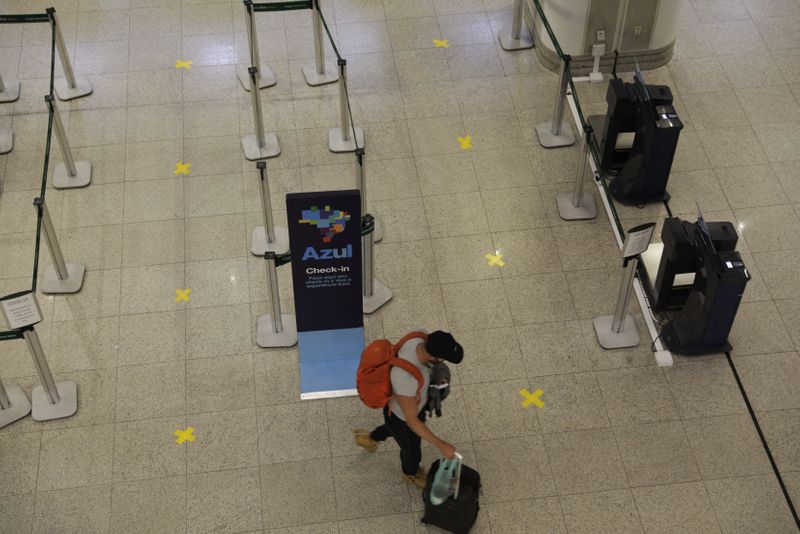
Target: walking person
x=404 y=413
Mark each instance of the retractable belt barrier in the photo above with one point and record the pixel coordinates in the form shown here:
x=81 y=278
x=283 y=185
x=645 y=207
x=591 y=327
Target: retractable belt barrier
x=51 y=399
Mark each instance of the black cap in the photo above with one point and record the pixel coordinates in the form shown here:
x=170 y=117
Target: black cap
x=443 y=345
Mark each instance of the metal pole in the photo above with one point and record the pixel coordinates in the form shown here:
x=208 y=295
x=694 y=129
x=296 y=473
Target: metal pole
x=51 y=239
x=345 y=116
x=266 y=201
x=272 y=277
x=622 y=14
x=32 y=339
x=319 y=45
x=516 y=24
x=624 y=294
x=62 y=49
x=583 y=162
x=5 y=403
x=255 y=96
x=252 y=37
x=61 y=134
x=361 y=178
x=2 y=90
x=368 y=255
x=561 y=96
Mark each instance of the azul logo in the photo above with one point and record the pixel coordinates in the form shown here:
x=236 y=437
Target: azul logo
x=328 y=222
x=328 y=253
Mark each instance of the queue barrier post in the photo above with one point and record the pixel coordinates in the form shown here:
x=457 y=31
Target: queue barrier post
x=361 y=185
x=519 y=38
x=578 y=204
x=268 y=237
x=14 y=404
x=320 y=72
x=557 y=133
x=341 y=139
x=9 y=90
x=72 y=86
x=374 y=293
x=259 y=145
x=619 y=330
x=61 y=277
x=275 y=329
x=69 y=174
x=266 y=78
x=51 y=399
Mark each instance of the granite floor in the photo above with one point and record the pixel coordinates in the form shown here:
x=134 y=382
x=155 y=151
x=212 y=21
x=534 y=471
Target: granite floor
x=620 y=446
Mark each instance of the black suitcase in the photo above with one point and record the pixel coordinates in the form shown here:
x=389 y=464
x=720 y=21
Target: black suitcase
x=454 y=515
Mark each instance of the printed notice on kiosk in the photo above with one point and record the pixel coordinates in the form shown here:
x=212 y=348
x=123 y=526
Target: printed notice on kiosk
x=21 y=310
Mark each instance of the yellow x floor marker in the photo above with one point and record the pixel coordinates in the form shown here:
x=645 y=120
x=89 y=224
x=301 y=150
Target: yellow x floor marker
x=441 y=43
x=182 y=294
x=531 y=398
x=465 y=142
x=185 y=435
x=495 y=259
x=181 y=64
x=182 y=168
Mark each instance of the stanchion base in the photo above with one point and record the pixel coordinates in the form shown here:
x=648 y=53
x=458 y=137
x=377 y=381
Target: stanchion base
x=6 y=141
x=568 y=212
x=42 y=410
x=11 y=94
x=266 y=338
x=82 y=178
x=259 y=245
x=253 y=152
x=608 y=339
x=337 y=144
x=548 y=140
x=380 y=296
x=20 y=405
x=51 y=285
x=313 y=78
x=510 y=44
x=267 y=78
x=65 y=92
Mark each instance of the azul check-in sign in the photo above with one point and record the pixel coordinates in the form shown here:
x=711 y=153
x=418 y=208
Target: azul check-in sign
x=325 y=243
x=325 y=240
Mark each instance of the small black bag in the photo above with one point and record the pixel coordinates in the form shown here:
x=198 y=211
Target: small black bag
x=454 y=515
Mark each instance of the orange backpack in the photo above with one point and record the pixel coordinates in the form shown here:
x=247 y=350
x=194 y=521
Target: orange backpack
x=373 y=379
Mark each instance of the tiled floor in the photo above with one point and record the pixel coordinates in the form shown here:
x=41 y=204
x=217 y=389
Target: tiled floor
x=621 y=445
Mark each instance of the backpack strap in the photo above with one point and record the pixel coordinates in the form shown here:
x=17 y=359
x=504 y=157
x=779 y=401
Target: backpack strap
x=406 y=365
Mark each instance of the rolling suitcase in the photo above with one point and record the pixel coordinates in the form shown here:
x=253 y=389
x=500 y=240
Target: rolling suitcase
x=459 y=511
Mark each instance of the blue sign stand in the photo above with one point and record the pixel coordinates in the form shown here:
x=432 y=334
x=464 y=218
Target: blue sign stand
x=325 y=240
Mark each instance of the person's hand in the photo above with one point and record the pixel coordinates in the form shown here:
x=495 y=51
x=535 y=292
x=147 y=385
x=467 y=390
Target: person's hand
x=448 y=451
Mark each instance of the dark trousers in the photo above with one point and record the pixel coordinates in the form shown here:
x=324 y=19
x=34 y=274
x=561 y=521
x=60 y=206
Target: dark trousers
x=409 y=442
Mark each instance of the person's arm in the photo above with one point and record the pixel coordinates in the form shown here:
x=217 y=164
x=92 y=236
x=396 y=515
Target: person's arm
x=409 y=407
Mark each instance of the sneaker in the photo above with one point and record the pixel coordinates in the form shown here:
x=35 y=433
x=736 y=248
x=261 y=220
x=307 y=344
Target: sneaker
x=364 y=441
x=417 y=480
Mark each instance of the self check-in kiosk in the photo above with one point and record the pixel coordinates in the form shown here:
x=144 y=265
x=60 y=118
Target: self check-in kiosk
x=640 y=168
x=697 y=279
